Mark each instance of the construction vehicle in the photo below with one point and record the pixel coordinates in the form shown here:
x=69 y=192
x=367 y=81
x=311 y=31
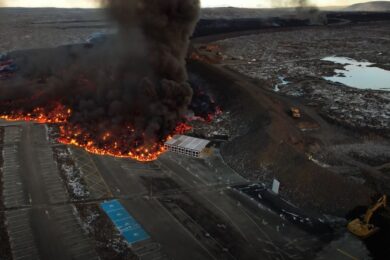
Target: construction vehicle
x=361 y=227
x=295 y=112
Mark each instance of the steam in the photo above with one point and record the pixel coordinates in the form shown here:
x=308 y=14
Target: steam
x=137 y=80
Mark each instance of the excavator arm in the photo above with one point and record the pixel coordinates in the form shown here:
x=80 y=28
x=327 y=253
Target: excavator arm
x=370 y=212
x=362 y=227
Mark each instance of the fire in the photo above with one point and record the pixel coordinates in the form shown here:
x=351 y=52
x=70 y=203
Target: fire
x=122 y=145
x=59 y=114
x=182 y=128
x=205 y=118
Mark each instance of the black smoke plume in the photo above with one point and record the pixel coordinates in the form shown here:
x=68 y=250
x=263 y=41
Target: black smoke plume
x=136 y=79
x=304 y=9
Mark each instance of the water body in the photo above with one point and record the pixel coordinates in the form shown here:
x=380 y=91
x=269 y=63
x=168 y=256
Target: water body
x=282 y=82
x=360 y=74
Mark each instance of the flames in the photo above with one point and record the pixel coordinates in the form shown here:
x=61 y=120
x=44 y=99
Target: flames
x=122 y=145
x=110 y=145
x=125 y=142
x=59 y=114
x=206 y=118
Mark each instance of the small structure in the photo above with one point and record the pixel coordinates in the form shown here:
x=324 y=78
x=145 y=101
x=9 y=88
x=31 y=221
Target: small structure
x=187 y=145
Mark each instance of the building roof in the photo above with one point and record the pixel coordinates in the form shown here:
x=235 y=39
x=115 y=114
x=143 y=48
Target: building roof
x=188 y=142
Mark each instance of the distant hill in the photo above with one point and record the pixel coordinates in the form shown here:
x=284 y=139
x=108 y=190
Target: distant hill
x=376 y=6
x=234 y=13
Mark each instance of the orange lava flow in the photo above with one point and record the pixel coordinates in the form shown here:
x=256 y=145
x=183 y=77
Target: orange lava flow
x=110 y=145
x=122 y=145
x=60 y=114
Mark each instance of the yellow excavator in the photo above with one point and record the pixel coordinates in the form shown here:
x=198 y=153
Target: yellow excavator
x=361 y=227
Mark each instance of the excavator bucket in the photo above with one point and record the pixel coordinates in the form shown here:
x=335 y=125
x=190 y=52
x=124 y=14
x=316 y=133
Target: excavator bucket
x=362 y=227
x=362 y=230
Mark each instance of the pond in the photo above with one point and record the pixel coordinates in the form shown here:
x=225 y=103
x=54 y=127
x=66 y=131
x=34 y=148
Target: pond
x=282 y=82
x=359 y=74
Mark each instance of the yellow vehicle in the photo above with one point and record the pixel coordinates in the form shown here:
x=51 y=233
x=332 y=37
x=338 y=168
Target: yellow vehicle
x=361 y=227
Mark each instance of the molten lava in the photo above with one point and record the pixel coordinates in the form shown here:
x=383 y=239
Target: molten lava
x=58 y=114
x=123 y=144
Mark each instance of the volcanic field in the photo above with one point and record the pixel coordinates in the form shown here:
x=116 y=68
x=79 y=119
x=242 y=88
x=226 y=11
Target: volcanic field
x=74 y=136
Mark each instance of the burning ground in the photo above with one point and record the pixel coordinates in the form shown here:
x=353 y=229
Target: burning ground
x=124 y=97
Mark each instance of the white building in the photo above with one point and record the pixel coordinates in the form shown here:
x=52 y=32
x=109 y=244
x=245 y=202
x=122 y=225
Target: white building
x=186 y=145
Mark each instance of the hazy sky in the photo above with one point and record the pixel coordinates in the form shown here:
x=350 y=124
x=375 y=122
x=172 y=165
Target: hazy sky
x=239 y=3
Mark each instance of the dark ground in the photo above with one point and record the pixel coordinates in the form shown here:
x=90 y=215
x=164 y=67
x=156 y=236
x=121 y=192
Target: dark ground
x=5 y=250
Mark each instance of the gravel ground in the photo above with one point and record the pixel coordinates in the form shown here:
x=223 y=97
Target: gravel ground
x=42 y=28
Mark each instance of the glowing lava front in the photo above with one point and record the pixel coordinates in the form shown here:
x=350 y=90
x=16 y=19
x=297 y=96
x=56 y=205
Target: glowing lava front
x=123 y=144
x=59 y=114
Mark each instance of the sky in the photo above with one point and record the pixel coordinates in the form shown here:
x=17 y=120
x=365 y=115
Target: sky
x=205 y=3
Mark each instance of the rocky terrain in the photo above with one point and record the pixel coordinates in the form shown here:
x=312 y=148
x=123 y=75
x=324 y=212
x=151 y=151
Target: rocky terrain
x=296 y=57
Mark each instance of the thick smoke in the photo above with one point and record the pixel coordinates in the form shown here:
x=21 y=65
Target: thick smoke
x=292 y=3
x=304 y=9
x=146 y=81
x=136 y=80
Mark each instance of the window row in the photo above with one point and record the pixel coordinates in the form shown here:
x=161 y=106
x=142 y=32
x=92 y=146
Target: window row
x=183 y=151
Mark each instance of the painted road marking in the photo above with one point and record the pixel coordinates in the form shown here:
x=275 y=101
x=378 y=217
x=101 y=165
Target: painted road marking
x=346 y=254
x=130 y=229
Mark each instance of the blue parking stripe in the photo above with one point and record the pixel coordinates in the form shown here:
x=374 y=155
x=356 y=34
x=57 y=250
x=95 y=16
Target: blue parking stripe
x=130 y=229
